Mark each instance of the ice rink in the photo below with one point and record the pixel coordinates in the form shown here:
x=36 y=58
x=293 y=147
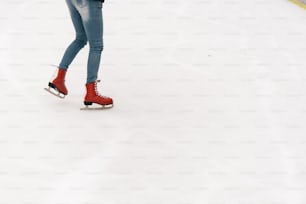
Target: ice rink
x=209 y=96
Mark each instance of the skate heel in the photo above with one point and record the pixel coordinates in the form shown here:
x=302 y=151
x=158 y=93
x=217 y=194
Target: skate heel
x=86 y=103
x=52 y=85
x=54 y=90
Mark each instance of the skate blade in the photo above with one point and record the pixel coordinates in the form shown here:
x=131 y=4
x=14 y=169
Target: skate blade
x=102 y=107
x=57 y=94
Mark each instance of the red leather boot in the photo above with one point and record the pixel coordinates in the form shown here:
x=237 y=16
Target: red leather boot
x=58 y=84
x=93 y=96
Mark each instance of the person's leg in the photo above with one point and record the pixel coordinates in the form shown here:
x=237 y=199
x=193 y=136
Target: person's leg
x=58 y=83
x=91 y=12
x=80 y=39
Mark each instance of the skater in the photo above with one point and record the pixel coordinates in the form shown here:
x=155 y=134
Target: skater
x=86 y=16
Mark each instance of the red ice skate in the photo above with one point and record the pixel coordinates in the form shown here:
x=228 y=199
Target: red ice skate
x=57 y=86
x=93 y=96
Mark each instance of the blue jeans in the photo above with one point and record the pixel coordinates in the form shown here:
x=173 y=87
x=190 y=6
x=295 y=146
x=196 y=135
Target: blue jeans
x=87 y=20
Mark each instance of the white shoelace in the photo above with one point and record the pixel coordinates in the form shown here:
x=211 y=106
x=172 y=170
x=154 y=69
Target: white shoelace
x=96 y=89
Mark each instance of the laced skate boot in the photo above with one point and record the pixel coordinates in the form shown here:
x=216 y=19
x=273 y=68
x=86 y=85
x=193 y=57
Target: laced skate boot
x=57 y=85
x=93 y=96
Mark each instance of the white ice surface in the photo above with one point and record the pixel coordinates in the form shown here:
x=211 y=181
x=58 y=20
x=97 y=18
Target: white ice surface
x=210 y=105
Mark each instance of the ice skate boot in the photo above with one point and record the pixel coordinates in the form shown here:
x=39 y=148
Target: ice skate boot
x=57 y=85
x=93 y=97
